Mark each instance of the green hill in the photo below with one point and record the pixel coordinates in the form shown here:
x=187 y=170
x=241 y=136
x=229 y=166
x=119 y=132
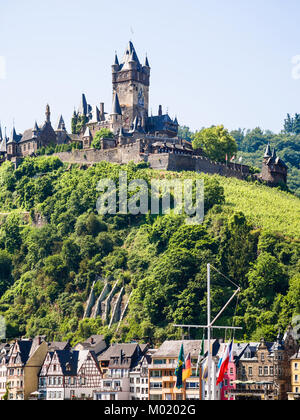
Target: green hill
x=250 y=233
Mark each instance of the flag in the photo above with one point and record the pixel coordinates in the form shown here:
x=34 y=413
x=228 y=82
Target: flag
x=222 y=357
x=226 y=157
x=225 y=361
x=232 y=159
x=180 y=368
x=241 y=159
x=201 y=355
x=205 y=370
x=187 y=372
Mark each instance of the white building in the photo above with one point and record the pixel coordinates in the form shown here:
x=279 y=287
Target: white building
x=116 y=364
x=69 y=374
x=4 y=350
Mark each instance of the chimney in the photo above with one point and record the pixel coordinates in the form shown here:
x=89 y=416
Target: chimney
x=102 y=117
x=160 y=110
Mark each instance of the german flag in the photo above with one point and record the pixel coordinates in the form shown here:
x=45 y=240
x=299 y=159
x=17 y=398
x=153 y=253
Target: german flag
x=187 y=372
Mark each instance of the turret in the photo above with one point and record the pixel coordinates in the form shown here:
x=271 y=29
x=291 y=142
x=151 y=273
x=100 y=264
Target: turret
x=48 y=114
x=116 y=114
x=116 y=65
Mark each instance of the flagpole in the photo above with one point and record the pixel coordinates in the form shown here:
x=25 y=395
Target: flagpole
x=208 y=334
x=200 y=382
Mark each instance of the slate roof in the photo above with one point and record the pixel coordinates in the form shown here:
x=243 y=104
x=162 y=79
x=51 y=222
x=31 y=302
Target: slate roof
x=83 y=107
x=61 y=124
x=58 y=345
x=130 y=55
x=68 y=361
x=296 y=356
x=14 y=137
x=28 y=135
x=268 y=152
x=116 y=109
x=93 y=340
x=161 y=123
x=127 y=349
x=25 y=347
x=172 y=348
x=123 y=356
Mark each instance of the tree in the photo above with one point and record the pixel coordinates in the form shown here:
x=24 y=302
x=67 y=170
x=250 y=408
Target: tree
x=5 y=271
x=216 y=142
x=103 y=133
x=297 y=124
x=289 y=124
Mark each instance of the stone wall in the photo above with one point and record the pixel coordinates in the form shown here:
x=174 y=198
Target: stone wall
x=120 y=155
x=174 y=162
x=162 y=161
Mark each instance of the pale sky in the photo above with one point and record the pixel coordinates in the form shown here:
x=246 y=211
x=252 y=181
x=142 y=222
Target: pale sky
x=212 y=62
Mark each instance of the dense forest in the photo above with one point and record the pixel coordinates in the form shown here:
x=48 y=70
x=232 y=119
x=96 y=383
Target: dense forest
x=250 y=234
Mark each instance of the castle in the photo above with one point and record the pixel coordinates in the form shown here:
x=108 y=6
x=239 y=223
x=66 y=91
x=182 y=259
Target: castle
x=135 y=136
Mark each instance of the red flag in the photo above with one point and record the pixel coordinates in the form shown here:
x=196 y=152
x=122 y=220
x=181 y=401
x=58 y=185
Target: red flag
x=225 y=362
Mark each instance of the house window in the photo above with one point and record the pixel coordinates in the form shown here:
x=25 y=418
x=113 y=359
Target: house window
x=250 y=371
x=263 y=357
x=296 y=378
x=260 y=370
x=271 y=370
x=296 y=366
x=266 y=370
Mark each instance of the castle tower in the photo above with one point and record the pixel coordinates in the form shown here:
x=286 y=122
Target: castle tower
x=116 y=117
x=274 y=170
x=60 y=131
x=131 y=82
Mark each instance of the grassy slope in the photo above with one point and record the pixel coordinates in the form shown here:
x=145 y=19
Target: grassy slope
x=270 y=208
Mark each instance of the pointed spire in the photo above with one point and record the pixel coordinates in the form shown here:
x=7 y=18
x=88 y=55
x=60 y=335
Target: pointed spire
x=116 y=109
x=83 y=107
x=2 y=142
x=130 y=56
x=61 y=124
x=116 y=63
x=13 y=137
x=147 y=62
x=176 y=121
x=268 y=152
x=274 y=154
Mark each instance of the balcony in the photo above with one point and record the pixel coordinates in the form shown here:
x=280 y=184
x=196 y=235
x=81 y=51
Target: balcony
x=168 y=378
x=109 y=389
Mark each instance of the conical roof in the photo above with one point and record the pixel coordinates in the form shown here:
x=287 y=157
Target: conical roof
x=130 y=56
x=14 y=138
x=116 y=109
x=60 y=123
x=268 y=152
x=83 y=107
x=116 y=63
